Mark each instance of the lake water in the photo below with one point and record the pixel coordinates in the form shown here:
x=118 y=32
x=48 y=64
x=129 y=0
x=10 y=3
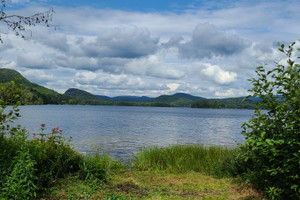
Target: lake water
x=123 y=131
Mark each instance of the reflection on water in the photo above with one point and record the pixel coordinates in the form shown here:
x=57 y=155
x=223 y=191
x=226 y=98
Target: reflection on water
x=123 y=131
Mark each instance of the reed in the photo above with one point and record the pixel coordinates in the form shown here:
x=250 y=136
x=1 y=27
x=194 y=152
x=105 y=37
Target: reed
x=183 y=158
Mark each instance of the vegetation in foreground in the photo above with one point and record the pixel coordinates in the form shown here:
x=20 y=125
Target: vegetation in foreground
x=48 y=167
x=154 y=185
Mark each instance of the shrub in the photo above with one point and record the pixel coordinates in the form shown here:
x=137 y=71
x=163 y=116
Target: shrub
x=273 y=136
x=20 y=180
x=54 y=156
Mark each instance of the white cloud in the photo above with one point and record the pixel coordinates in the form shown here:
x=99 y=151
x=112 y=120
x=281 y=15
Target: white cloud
x=208 y=41
x=218 y=75
x=203 y=52
x=38 y=76
x=231 y=92
x=173 y=86
x=122 y=42
x=154 y=66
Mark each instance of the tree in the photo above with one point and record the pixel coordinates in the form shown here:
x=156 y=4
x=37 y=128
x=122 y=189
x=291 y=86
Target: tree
x=18 y=23
x=273 y=134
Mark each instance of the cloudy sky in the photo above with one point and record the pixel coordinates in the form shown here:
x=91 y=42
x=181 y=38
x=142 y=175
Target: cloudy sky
x=141 y=47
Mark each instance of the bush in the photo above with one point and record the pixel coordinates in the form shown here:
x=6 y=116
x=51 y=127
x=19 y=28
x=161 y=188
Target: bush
x=55 y=158
x=273 y=136
x=21 y=179
x=51 y=158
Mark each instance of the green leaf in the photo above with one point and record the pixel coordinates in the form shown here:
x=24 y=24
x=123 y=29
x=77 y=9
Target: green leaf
x=263 y=134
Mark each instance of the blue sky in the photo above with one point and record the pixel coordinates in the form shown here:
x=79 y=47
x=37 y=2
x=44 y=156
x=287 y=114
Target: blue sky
x=139 y=5
x=122 y=47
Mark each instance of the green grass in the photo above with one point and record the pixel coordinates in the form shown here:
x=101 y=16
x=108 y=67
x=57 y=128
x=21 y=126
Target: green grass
x=183 y=158
x=154 y=185
x=175 y=172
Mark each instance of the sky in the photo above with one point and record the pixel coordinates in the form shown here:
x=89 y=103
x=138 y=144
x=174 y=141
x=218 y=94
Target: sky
x=149 y=48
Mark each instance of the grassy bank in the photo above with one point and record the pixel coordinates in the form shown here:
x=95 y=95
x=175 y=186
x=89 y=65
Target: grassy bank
x=175 y=172
x=154 y=185
x=47 y=167
x=182 y=158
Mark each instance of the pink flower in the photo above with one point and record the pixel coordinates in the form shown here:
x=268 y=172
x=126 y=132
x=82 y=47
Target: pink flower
x=34 y=134
x=43 y=125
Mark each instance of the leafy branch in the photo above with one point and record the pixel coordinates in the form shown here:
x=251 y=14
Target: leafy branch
x=18 y=23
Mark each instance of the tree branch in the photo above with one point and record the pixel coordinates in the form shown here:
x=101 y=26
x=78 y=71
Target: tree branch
x=17 y=23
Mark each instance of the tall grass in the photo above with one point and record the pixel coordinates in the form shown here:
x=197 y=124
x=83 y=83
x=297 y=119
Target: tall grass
x=179 y=158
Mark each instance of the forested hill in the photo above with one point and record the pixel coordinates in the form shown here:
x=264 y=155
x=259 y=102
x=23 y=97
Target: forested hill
x=36 y=94
x=33 y=93
x=175 y=100
x=7 y=75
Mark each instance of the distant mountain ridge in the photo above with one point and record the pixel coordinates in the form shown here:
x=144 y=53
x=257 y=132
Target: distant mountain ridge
x=125 y=98
x=37 y=94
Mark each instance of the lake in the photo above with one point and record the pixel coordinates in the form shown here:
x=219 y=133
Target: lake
x=122 y=131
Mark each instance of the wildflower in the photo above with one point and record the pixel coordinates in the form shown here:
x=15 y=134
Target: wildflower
x=43 y=125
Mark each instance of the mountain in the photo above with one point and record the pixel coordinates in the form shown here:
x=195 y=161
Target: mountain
x=187 y=96
x=8 y=75
x=105 y=98
x=32 y=92
x=178 y=99
x=36 y=94
x=117 y=101
x=81 y=94
x=125 y=98
x=131 y=98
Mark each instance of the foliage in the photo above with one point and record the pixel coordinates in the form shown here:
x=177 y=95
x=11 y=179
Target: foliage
x=273 y=135
x=20 y=182
x=9 y=95
x=54 y=156
x=180 y=158
x=236 y=103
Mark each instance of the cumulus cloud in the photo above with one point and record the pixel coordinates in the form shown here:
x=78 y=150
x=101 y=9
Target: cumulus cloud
x=35 y=61
x=231 y=92
x=38 y=76
x=217 y=74
x=154 y=66
x=106 y=80
x=203 y=52
x=173 y=86
x=55 y=40
x=118 y=84
x=173 y=42
x=208 y=41
x=130 y=42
